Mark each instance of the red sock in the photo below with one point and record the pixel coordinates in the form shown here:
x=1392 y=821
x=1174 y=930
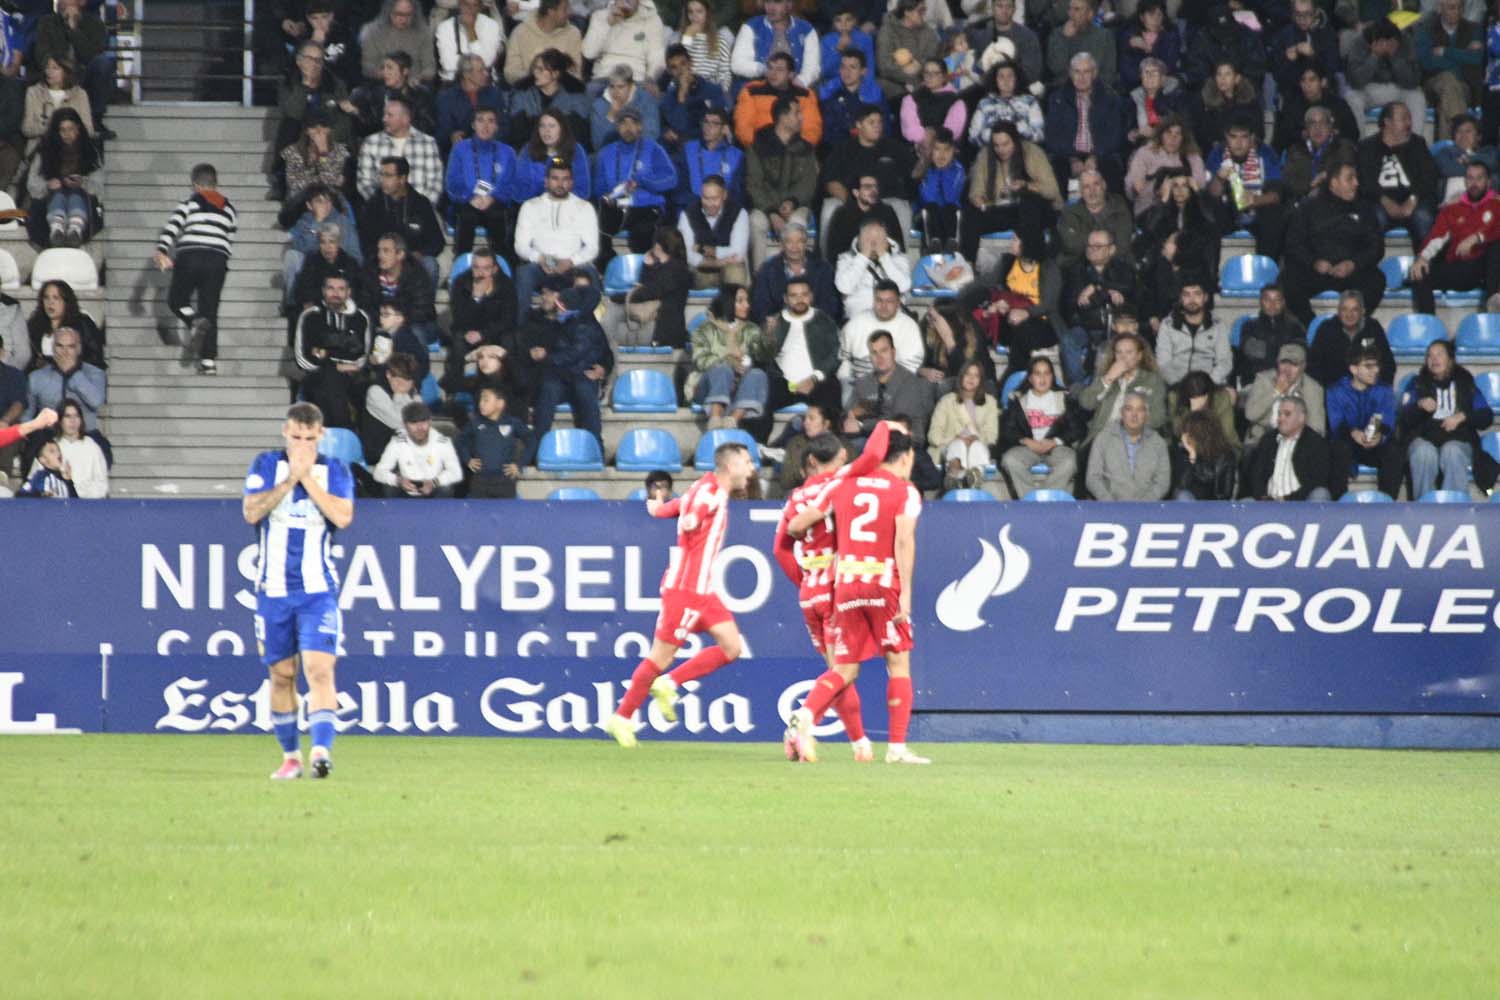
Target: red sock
x=824 y=691
x=898 y=700
x=705 y=663
x=640 y=687
x=847 y=706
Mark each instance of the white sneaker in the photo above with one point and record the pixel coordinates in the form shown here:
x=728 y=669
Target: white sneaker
x=903 y=755
x=620 y=729
x=664 y=693
x=807 y=743
x=864 y=752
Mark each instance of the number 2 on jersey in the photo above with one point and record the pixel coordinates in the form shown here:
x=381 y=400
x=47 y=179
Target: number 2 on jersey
x=859 y=527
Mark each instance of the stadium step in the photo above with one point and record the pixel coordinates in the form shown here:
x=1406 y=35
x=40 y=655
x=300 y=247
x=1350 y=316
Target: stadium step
x=210 y=392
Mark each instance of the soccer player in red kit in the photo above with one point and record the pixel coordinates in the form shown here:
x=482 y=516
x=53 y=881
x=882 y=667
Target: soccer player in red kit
x=807 y=559
x=876 y=518
x=688 y=603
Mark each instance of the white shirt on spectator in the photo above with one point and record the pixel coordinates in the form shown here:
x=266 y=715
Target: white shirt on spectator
x=742 y=60
x=739 y=239
x=854 y=344
x=794 y=359
x=557 y=227
x=453 y=43
x=85 y=461
x=435 y=460
x=856 y=277
x=1284 y=480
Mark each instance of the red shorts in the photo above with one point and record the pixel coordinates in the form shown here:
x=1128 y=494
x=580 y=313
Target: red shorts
x=865 y=626
x=817 y=612
x=684 y=612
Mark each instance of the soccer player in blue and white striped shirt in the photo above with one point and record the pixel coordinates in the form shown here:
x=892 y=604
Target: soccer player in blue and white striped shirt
x=297 y=499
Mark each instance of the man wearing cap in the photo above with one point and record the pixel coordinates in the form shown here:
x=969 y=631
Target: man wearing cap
x=576 y=361
x=631 y=179
x=557 y=232
x=419 y=463
x=1287 y=378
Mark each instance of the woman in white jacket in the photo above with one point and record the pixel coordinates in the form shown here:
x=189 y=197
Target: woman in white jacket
x=964 y=427
x=83 y=459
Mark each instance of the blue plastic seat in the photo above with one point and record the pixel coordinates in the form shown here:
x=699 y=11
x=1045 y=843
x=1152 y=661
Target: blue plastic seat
x=1012 y=383
x=1243 y=277
x=1412 y=333
x=792 y=410
x=1047 y=496
x=1319 y=320
x=969 y=496
x=1478 y=338
x=573 y=493
x=430 y=391
x=569 y=449
x=1004 y=234
x=1240 y=234
x=703 y=457
x=644 y=390
x=1403 y=389
x=1238 y=330
x=637 y=494
x=343 y=444
x=1445 y=496
x=461 y=265
x=1365 y=496
x=923 y=283
x=1439 y=146
x=697 y=321
x=1491 y=445
x=623 y=273
x=1395 y=269
x=1489 y=384
x=646 y=448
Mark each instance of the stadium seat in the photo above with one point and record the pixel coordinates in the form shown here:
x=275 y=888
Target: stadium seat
x=697 y=321
x=1478 y=338
x=1240 y=234
x=1047 y=496
x=461 y=265
x=1244 y=276
x=792 y=410
x=703 y=457
x=1318 y=320
x=1411 y=333
x=1445 y=496
x=623 y=273
x=569 y=449
x=1491 y=444
x=1439 y=146
x=1012 y=383
x=342 y=443
x=10 y=274
x=1403 y=389
x=644 y=390
x=646 y=448
x=1237 y=330
x=65 y=264
x=573 y=493
x=642 y=349
x=639 y=494
x=431 y=392
x=1489 y=384
x=1365 y=496
x=924 y=285
x=9 y=227
x=1004 y=234
x=1395 y=269
x=969 y=496
x=1460 y=300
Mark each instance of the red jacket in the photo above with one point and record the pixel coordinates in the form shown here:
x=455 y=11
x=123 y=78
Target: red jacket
x=1458 y=221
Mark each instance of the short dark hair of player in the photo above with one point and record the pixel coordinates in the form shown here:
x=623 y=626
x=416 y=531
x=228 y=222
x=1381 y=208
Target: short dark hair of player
x=782 y=106
x=880 y=335
x=858 y=55
x=824 y=448
x=401 y=58
x=783 y=57
x=402 y=165
x=204 y=175
x=723 y=451
x=899 y=445
x=658 y=477
x=305 y=414
x=1361 y=353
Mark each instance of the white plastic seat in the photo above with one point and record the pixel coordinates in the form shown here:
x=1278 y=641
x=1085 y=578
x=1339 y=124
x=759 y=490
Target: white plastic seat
x=68 y=264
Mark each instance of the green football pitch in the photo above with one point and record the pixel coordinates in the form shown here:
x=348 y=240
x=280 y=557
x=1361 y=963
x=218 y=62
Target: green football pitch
x=167 y=866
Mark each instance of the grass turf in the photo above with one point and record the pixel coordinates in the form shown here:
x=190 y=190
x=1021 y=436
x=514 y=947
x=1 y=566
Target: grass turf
x=169 y=866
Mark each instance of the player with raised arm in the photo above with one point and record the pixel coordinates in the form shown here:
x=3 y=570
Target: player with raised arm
x=44 y=418
x=807 y=559
x=297 y=499
x=876 y=520
x=688 y=602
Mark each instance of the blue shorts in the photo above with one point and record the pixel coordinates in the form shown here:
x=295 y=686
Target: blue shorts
x=297 y=623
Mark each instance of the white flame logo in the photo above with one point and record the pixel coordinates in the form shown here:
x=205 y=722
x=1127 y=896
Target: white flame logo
x=997 y=572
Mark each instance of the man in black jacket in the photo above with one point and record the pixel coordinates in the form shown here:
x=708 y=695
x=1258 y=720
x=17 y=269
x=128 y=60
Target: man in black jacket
x=1399 y=175
x=1351 y=328
x=332 y=347
x=1291 y=464
x=394 y=274
x=577 y=362
x=400 y=208
x=483 y=301
x=395 y=81
x=1093 y=289
x=1263 y=335
x=866 y=203
x=1334 y=241
x=871 y=153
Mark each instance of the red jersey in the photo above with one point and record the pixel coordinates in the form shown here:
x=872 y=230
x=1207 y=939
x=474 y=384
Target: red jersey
x=813 y=550
x=702 y=518
x=865 y=509
x=1459 y=220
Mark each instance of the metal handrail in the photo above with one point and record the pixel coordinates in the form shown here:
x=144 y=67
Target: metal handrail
x=247 y=74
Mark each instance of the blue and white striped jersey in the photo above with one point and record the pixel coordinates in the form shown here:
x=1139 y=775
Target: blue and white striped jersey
x=296 y=540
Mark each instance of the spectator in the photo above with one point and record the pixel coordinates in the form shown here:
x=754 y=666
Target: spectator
x=13 y=92
x=1192 y=340
x=395 y=81
x=1245 y=185
x=846 y=35
x=1490 y=109
x=887 y=391
x=1379 y=67
x=557 y=232
x=931 y=106
x=399 y=138
x=549 y=27
x=1333 y=241
x=629 y=33
x=551 y=140
x=781 y=176
x=332 y=347
x=1207 y=471
x=1007 y=100
x=804 y=345
x=67 y=377
x=469 y=33
x=843 y=98
x=1226 y=97
x=1041 y=426
x=12 y=409
x=708 y=44
x=1093 y=289
x=315 y=159
x=577 y=362
x=1012 y=188
x=1096 y=208
x=1085 y=124
x=885 y=316
x=873 y=153
x=1398 y=174
x=712 y=155
x=15 y=344
x=326 y=215
x=312 y=89
x=195 y=245
x=1454 y=159
x=397 y=208
x=552 y=90
x=965 y=426
x=82 y=39
x=816 y=421
x=1222 y=38
x=1128 y=461
x=419 y=462
x=631 y=178
x=494 y=448
x=481 y=176
x=55 y=91
x=794 y=261
x=1350 y=328
x=1313 y=90
x=1170 y=147
x=1197 y=391
x=1307 y=42
x=1307 y=161
x=1003 y=27
x=1462 y=251
x=1450 y=52
x=483 y=301
x=716 y=232
x=871 y=259
x=1179 y=240
x=331 y=259
x=334 y=30
x=1263 y=336
x=941 y=194
x=393 y=335
x=950 y=341
x=729 y=354
x=384 y=401
x=660 y=296
x=400 y=27
x=687 y=97
x=617 y=99
x=902 y=46
x=1362 y=426
x=865 y=204
x=1158 y=97
x=753 y=107
x=1079 y=35
x=1127 y=366
x=1023 y=307
x=776 y=30
x=394 y=276
x=1148 y=36
x=1288 y=378
x=50 y=481
x=1442 y=415
x=62 y=177
x=457 y=105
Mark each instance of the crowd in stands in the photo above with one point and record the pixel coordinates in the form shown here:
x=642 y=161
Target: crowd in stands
x=816 y=174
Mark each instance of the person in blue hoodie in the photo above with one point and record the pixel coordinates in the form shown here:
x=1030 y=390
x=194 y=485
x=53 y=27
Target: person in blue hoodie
x=714 y=155
x=632 y=177
x=843 y=97
x=481 y=170
x=551 y=139
x=941 y=194
x=1362 y=426
x=494 y=448
x=686 y=99
x=846 y=34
